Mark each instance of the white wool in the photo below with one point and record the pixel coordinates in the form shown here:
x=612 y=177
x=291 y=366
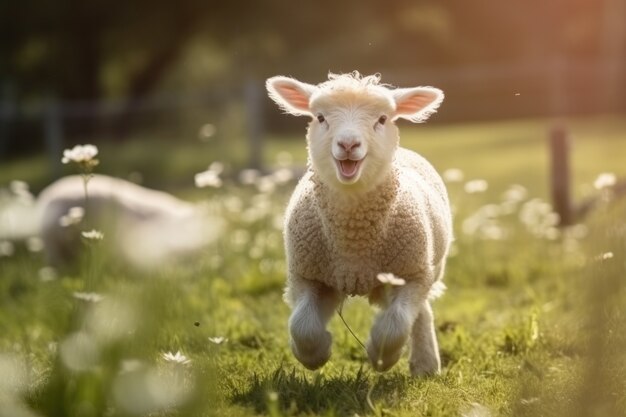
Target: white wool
x=365 y=206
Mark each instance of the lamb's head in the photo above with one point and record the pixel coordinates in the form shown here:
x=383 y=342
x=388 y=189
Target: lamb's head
x=352 y=137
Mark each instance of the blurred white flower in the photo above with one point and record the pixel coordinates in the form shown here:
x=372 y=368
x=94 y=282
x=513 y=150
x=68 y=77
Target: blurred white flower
x=14 y=376
x=177 y=358
x=111 y=319
x=74 y=216
x=515 y=193
x=208 y=178
x=476 y=186
x=391 y=279
x=249 y=176
x=484 y=223
x=604 y=256
x=81 y=154
x=539 y=219
x=266 y=184
x=282 y=176
x=47 y=273
x=477 y=410
x=149 y=391
x=218 y=340
x=90 y=297
x=6 y=248
x=453 y=175
x=79 y=352
x=207 y=131
x=21 y=191
x=34 y=244
x=93 y=235
x=605 y=180
x=131 y=365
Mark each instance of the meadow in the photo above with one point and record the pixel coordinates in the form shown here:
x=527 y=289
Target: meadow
x=532 y=323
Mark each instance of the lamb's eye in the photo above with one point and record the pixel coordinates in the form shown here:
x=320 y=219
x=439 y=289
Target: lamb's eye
x=320 y=118
x=382 y=119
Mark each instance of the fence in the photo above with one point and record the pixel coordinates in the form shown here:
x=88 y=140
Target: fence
x=553 y=88
x=51 y=117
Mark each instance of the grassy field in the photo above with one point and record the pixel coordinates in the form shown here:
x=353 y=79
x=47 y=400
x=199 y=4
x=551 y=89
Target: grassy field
x=532 y=323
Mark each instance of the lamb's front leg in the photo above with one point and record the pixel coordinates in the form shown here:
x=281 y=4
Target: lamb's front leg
x=392 y=325
x=424 y=347
x=313 y=305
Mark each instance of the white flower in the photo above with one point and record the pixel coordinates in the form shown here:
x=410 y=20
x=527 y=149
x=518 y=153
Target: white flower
x=208 y=178
x=515 y=193
x=218 y=340
x=604 y=180
x=476 y=186
x=391 y=279
x=91 y=297
x=74 y=216
x=80 y=154
x=93 y=235
x=453 y=175
x=604 y=256
x=177 y=357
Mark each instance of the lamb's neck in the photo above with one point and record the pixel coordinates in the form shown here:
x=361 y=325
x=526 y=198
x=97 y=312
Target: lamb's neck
x=357 y=219
x=353 y=197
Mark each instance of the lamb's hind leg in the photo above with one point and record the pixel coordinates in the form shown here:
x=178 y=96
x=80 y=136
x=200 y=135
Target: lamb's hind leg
x=313 y=306
x=392 y=325
x=424 y=348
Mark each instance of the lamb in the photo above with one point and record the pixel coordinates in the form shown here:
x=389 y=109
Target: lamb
x=143 y=226
x=365 y=206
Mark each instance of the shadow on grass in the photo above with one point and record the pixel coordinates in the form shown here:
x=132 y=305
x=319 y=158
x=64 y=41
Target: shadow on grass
x=291 y=392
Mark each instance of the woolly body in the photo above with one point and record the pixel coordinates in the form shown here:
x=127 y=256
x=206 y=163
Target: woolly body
x=402 y=226
x=364 y=207
x=135 y=219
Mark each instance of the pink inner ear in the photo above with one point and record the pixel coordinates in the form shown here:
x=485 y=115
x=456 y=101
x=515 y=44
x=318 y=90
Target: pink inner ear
x=294 y=96
x=414 y=103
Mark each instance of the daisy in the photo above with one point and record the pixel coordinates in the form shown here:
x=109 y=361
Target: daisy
x=177 y=357
x=391 y=279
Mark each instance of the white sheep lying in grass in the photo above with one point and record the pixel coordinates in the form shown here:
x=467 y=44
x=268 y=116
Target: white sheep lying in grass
x=364 y=207
x=143 y=226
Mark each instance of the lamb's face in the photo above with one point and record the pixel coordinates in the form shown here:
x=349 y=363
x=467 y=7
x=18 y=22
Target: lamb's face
x=352 y=138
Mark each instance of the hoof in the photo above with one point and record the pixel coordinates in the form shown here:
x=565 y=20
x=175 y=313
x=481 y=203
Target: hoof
x=425 y=365
x=383 y=358
x=313 y=354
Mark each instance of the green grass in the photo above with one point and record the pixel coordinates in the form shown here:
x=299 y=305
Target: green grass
x=531 y=325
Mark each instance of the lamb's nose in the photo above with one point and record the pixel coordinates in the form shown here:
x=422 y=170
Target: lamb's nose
x=348 y=145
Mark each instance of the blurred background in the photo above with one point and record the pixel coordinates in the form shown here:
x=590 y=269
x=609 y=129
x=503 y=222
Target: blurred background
x=187 y=71
x=533 y=322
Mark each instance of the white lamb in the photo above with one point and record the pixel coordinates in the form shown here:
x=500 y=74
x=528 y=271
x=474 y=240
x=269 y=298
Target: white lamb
x=143 y=226
x=365 y=206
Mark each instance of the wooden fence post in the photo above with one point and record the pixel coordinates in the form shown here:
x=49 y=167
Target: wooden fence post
x=560 y=180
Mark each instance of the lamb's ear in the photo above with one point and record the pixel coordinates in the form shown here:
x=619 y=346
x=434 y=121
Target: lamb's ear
x=416 y=104
x=291 y=95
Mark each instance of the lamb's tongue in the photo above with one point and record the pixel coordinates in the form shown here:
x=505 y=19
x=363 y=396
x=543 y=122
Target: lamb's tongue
x=348 y=167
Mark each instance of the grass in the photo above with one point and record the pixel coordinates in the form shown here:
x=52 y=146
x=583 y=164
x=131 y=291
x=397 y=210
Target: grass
x=532 y=323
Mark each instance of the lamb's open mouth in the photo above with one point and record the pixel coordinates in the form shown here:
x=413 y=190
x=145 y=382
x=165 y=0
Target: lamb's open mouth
x=348 y=168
